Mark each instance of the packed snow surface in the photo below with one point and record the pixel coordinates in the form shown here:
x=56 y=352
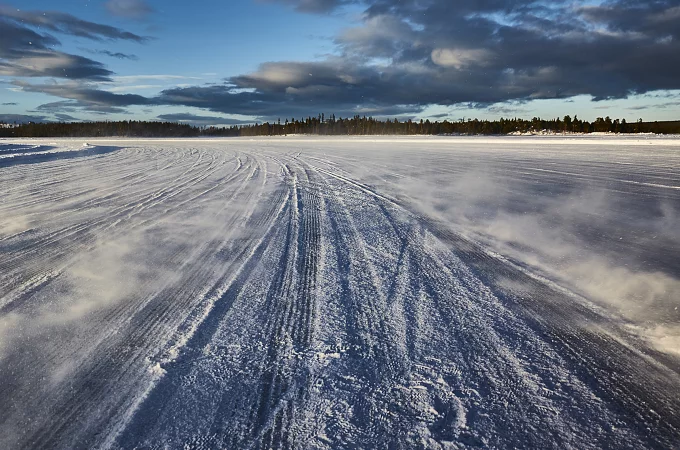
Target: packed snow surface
x=447 y=292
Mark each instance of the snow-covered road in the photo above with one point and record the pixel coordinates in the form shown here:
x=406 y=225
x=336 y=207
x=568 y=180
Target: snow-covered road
x=340 y=293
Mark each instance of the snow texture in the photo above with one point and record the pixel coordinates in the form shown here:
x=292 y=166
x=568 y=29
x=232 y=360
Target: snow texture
x=340 y=293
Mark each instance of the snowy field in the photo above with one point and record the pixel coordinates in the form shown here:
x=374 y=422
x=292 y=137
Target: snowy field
x=340 y=293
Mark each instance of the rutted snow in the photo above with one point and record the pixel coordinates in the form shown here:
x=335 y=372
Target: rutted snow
x=325 y=293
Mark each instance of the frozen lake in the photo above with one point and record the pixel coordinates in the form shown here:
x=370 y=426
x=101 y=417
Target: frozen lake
x=305 y=292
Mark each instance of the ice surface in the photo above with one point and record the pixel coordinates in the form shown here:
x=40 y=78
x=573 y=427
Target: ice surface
x=441 y=292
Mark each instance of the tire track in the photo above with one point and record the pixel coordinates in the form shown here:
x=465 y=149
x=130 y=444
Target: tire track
x=83 y=236
x=292 y=297
x=456 y=320
x=142 y=328
x=248 y=260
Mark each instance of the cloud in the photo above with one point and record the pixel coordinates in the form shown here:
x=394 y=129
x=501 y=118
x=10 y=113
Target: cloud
x=66 y=118
x=198 y=120
x=54 y=64
x=10 y=104
x=403 y=56
x=221 y=98
x=29 y=52
x=276 y=100
x=67 y=24
x=21 y=118
x=23 y=52
x=315 y=6
x=117 y=55
x=83 y=96
x=85 y=93
x=655 y=106
x=415 y=53
x=409 y=54
x=460 y=58
x=508 y=108
x=378 y=36
x=58 y=107
x=130 y=9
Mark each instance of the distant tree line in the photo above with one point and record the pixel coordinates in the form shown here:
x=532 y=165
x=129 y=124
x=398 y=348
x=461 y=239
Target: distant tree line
x=125 y=128
x=332 y=126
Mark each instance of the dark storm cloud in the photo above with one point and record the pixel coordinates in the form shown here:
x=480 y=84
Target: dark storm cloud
x=413 y=53
x=408 y=54
x=130 y=9
x=280 y=103
x=660 y=18
x=25 y=52
x=194 y=119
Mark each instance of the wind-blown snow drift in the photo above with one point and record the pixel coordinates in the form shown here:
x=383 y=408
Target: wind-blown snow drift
x=324 y=293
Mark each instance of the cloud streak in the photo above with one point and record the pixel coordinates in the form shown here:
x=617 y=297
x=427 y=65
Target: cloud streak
x=67 y=24
x=315 y=6
x=117 y=55
x=27 y=50
x=83 y=96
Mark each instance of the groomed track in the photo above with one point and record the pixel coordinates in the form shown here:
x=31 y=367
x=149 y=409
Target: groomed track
x=290 y=294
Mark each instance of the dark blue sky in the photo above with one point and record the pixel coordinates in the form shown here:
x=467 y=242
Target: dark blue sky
x=216 y=62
